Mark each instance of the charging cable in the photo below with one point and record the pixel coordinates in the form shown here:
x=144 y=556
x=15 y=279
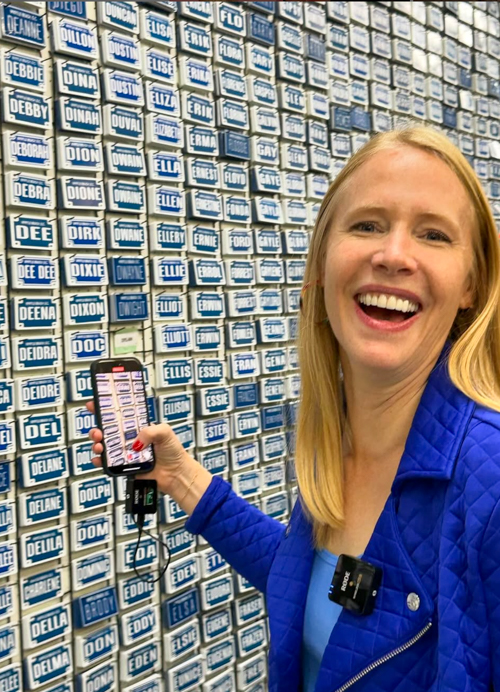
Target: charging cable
x=141 y=498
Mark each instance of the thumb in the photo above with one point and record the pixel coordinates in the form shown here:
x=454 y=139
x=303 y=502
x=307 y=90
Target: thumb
x=152 y=434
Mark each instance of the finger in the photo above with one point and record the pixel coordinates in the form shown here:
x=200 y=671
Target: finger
x=90 y=406
x=97 y=448
x=97 y=462
x=95 y=434
x=152 y=434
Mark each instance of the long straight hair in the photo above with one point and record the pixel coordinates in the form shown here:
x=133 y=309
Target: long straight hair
x=474 y=358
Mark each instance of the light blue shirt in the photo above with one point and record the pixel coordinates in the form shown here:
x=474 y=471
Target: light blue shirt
x=320 y=616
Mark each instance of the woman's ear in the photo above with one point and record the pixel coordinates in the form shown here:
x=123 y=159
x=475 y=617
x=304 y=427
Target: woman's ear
x=468 y=298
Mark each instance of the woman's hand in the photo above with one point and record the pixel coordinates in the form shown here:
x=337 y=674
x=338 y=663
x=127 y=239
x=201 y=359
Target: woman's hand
x=170 y=455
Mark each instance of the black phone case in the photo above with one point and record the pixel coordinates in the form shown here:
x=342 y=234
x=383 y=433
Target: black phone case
x=94 y=367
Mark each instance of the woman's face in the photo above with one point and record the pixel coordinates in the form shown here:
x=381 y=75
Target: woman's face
x=401 y=238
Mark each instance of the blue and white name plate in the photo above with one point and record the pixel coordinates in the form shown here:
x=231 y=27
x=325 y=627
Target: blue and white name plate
x=164 y=200
x=34 y=272
x=84 y=270
x=174 y=372
x=76 y=79
x=20 y=69
x=77 y=154
x=126 y=197
x=43 y=467
x=81 y=232
x=124 y=159
x=162 y=98
x=91 y=532
x=81 y=193
x=164 y=131
x=119 y=15
x=76 y=115
x=158 y=64
x=120 y=50
x=92 y=569
x=30 y=232
x=27 y=150
x=25 y=108
x=45 y=625
x=127 y=235
x=22 y=26
x=86 y=346
x=201 y=140
x=39 y=392
x=29 y=190
x=48 y=665
x=202 y=11
x=123 y=87
x=123 y=123
x=93 y=646
x=207 y=305
x=195 y=74
x=195 y=38
x=166 y=166
x=203 y=239
x=38 y=547
x=42 y=505
x=158 y=28
x=74 y=38
x=191 y=671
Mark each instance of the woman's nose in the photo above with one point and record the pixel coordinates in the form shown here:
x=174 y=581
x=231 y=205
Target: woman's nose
x=396 y=252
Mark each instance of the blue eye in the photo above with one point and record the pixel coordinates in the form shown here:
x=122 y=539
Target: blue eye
x=438 y=236
x=369 y=226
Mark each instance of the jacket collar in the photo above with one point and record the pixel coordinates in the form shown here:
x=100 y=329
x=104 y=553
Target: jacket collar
x=438 y=428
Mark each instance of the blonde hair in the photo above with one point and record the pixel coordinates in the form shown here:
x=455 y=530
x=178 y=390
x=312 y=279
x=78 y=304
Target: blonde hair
x=474 y=359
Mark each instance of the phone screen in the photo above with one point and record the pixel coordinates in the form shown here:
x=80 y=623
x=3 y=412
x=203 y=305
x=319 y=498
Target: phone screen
x=123 y=412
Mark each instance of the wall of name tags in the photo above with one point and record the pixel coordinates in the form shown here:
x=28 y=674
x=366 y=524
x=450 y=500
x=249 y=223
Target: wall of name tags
x=162 y=167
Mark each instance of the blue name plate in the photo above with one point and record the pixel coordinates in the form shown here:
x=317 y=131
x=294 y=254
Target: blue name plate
x=75 y=79
x=245 y=395
x=21 y=26
x=102 y=678
x=6 y=406
x=78 y=385
x=70 y=9
x=127 y=271
x=91 y=532
x=95 y=607
x=35 y=353
x=134 y=590
x=162 y=99
x=165 y=167
x=128 y=307
x=180 y=608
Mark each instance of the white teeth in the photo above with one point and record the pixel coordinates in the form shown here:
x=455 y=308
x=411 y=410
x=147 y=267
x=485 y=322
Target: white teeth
x=388 y=302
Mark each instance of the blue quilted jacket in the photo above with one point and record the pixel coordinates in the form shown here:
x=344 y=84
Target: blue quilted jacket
x=438 y=537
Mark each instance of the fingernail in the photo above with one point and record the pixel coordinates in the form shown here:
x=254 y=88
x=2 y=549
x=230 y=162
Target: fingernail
x=137 y=446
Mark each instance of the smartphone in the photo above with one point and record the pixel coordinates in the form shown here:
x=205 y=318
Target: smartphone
x=121 y=411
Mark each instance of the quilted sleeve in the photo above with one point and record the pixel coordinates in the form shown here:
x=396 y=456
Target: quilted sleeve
x=244 y=536
x=489 y=565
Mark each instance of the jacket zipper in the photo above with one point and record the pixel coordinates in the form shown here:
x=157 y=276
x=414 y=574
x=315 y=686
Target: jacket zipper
x=385 y=658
